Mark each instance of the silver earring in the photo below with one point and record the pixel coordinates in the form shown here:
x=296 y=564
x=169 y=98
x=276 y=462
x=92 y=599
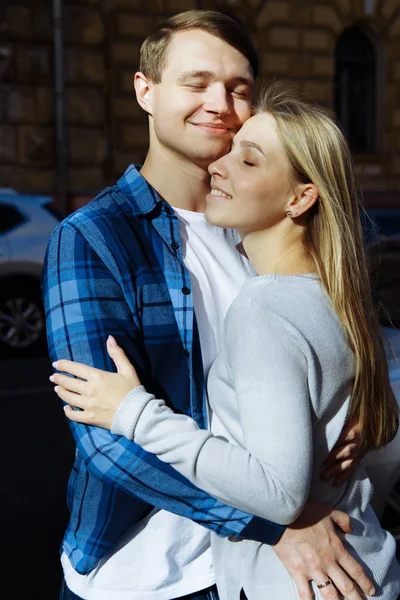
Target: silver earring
x=289 y=213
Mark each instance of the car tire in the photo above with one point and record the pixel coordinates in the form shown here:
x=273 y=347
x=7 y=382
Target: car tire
x=22 y=322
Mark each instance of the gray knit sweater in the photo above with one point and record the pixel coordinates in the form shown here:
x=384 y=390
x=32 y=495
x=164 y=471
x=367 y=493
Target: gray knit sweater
x=279 y=393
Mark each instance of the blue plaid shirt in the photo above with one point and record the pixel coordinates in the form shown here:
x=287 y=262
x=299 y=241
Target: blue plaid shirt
x=115 y=267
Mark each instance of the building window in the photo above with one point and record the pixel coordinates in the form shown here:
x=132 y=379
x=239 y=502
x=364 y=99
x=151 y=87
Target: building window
x=355 y=89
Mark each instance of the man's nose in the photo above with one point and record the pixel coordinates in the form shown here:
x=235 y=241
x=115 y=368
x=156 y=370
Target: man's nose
x=218 y=101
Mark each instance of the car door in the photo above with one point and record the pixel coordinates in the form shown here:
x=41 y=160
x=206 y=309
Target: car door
x=4 y=244
x=10 y=219
x=4 y=250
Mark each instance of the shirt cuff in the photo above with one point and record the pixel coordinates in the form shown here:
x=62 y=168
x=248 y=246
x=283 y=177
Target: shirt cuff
x=264 y=531
x=129 y=411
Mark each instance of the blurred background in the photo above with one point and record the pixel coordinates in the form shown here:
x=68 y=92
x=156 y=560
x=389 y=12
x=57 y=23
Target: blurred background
x=70 y=125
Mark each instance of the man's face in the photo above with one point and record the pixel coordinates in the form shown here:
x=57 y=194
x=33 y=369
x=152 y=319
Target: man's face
x=204 y=97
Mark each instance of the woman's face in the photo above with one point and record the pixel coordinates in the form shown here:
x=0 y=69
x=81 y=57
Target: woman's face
x=251 y=185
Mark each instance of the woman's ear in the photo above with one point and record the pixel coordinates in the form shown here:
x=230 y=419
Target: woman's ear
x=306 y=195
x=143 y=88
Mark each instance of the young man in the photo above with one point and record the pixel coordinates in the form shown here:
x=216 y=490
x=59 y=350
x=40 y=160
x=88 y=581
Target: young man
x=130 y=265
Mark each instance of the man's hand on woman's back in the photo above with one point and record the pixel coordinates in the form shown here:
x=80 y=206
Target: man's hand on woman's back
x=346 y=455
x=311 y=550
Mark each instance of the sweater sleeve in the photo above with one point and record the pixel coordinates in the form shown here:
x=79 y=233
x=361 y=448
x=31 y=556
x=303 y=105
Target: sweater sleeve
x=270 y=476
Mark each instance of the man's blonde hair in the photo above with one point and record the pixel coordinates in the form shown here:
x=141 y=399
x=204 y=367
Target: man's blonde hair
x=318 y=152
x=154 y=50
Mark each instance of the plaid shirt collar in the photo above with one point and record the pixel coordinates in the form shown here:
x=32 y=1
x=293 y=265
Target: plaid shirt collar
x=144 y=198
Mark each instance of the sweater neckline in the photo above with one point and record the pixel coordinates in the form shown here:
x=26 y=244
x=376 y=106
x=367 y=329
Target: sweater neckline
x=280 y=277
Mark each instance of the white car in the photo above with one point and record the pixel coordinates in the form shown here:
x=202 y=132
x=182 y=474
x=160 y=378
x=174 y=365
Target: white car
x=26 y=223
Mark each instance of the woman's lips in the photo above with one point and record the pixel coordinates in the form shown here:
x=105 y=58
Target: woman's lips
x=217 y=193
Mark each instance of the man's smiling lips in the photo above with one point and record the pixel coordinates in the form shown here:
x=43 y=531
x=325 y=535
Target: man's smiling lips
x=215 y=128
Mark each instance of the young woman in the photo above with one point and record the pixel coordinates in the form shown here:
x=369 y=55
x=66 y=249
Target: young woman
x=301 y=353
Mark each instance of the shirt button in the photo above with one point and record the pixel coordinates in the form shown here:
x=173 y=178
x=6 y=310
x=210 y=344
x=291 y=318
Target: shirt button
x=187 y=353
x=186 y=291
x=174 y=245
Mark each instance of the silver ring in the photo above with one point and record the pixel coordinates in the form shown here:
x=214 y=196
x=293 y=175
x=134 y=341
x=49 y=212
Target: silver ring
x=323 y=584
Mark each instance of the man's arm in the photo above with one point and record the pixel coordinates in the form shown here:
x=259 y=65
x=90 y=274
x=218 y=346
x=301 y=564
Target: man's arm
x=84 y=304
x=310 y=549
x=270 y=475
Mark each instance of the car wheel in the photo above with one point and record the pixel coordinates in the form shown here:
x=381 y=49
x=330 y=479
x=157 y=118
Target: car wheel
x=22 y=323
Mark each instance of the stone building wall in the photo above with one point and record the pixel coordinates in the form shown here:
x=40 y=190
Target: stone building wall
x=106 y=130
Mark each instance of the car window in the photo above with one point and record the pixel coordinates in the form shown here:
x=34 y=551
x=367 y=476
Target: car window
x=53 y=211
x=10 y=218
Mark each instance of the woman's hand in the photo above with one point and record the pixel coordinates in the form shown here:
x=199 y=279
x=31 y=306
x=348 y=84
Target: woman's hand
x=101 y=392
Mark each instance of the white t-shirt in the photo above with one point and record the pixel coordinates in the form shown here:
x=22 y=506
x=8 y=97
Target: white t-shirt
x=168 y=556
x=217 y=269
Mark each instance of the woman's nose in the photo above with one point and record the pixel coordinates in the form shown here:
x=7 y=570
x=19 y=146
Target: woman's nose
x=216 y=168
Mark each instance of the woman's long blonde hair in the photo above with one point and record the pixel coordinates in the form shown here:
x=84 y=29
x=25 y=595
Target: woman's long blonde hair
x=318 y=152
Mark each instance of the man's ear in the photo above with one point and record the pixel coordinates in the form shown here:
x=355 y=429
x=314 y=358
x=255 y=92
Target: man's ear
x=143 y=88
x=305 y=196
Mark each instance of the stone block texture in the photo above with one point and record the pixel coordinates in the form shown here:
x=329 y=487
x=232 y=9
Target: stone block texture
x=105 y=127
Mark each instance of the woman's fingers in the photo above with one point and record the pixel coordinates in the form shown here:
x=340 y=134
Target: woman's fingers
x=73 y=401
x=124 y=366
x=79 y=416
x=70 y=398
x=69 y=383
x=91 y=414
x=98 y=393
x=76 y=368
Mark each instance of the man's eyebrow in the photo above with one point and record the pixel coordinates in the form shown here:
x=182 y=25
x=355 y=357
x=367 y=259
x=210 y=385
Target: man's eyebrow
x=244 y=80
x=249 y=144
x=187 y=75
x=195 y=75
